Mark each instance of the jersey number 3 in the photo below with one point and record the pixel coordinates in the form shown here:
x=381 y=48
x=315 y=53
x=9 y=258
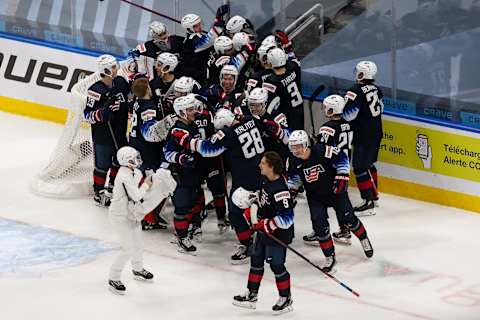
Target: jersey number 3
x=295 y=94
x=252 y=143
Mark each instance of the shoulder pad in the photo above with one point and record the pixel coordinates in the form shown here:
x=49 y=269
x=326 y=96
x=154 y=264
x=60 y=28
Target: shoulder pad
x=252 y=82
x=279 y=196
x=94 y=95
x=219 y=135
x=141 y=48
x=350 y=95
x=223 y=60
x=148 y=115
x=269 y=87
x=327 y=130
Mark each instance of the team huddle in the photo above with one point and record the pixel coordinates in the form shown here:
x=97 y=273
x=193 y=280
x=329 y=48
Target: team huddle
x=195 y=109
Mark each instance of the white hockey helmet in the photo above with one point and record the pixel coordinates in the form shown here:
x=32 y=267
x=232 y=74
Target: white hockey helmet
x=197 y=104
x=106 y=64
x=168 y=62
x=298 y=138
x=183 y=85
x=182 y=104
x=235 y=24
x=223 y=44
x=243 y=198
x=257 y=101
x=239 y=40
x=129 y=157
x=262 y=52
x=334 y=105
x=223 y=118
x=269 y=41
x=157 y=31
x=189 y=21
x=230 y=70
x=277 y=57
x=365 y=70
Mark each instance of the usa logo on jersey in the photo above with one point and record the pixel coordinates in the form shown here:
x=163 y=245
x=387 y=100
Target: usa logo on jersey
x=311 y=174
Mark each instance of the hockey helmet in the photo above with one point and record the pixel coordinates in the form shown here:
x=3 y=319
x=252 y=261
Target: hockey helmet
x=334 y=105
x=107 y=65
x=365 y=70
x=277 y=57
x=168 y=62
x=298 y=138
x=223 y=45
x=223 y=118
x=129 y=157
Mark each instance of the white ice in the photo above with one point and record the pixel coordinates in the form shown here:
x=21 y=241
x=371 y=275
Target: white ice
x=424 y=266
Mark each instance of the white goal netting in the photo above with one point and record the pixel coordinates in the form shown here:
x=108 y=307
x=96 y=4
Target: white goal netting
x=69 y=172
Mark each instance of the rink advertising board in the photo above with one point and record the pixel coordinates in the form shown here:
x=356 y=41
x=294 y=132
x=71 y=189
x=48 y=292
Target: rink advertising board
x=417 y=160
x=36 y=80
x=430 y=163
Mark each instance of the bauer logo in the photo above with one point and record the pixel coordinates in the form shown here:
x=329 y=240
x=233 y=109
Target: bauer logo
x=40 y=74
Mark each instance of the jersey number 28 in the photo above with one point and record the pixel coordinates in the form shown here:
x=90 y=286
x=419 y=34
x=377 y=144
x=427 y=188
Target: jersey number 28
x=252 y=143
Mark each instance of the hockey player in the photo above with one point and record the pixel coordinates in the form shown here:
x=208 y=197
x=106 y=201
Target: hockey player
x=285 y=84
x=364 y=110
x=269 y=116
x=241 y=142
x=197 y=44
x=161 y=41
x=184 y=166
x=226 y=94
x=225 y=54
x=336 y=132
x=106 y=110
x=275 y=217
x=263 y=71
x=238 y=24
x=147 y=135
x=125 y=223
x=324 y=172
x=181 y=87
x=162 y=83
x=212 y=171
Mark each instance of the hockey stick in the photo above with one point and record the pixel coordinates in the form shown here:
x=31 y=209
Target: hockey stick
x=150 y=10
x=254 y=220
x=312 y=98
x=311 y=263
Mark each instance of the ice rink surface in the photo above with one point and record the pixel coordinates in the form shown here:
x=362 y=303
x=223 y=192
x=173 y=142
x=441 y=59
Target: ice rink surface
x=55 y=255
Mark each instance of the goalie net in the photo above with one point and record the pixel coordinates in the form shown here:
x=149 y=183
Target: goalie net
x=69 y=172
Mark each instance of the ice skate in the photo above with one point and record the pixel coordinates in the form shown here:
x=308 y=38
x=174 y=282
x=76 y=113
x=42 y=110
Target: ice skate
x=367 y=208
x=116 y=287
x=142 y=275
x=343 y=236
x=248 y=300
x=329 y=263
x=311 y=239
x=283 y=305
x=240 y=256
x=367 y=247
x=186 y=246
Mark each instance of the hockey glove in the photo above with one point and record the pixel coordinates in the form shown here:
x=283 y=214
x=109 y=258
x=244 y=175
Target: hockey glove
x=266 y=225
x=182 y=137
x=340 y=184
x=283 y=41
x=185 y=160
x=220 y=16
x=273 y=129
x=223 y=10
